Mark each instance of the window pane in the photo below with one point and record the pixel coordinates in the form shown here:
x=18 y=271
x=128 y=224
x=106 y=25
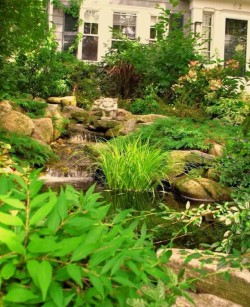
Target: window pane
x=152 y=33
x=87 y=29
x=94 y=29
x=70 y=23
x=89 y=48
x=68 y=41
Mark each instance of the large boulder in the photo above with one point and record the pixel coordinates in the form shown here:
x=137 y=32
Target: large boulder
x=216 y=149
x=201 y=189
x=122 y=129
x=43 y=130
x=56 y=100
x=148 y=118
x=68 y=101
x=16 y=122
x=236 y=289
x=184 y=160
x=59 y=121
x=5 y=106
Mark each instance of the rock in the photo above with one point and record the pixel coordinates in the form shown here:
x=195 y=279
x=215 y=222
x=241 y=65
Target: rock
x=39 y=99
x=148 y=118
x=212 y=174
x=71 y=111
x=122 y=129
x=123 y=115
x=106 y=124
x=216 y=150
x=108 y=106
x=59 y=121
x=56 y=100
x=180 y=160
x=43 y=130
x=5 y=106
x=236 y=289
x=201 y=189
x=17 y=122
x=204 y=300
x=68 y=101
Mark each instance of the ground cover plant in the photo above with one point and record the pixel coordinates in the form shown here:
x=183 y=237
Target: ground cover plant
x=60 y=250
x=26 y=150
x=187 y=133
x=132 y=165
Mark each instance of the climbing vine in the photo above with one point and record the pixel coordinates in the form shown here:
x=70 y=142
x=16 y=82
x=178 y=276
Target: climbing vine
x=72 y=7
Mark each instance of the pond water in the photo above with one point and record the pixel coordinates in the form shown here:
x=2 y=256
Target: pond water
x=73 y=169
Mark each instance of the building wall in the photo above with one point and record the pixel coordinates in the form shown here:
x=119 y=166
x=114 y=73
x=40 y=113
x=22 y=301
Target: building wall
x=194 y=9
x=143 y=10
x=221 y=10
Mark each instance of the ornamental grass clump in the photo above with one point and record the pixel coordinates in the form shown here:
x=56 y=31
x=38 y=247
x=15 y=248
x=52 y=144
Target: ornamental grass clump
x=132 y=165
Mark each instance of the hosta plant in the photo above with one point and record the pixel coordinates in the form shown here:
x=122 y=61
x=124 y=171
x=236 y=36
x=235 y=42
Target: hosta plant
x=62 y=250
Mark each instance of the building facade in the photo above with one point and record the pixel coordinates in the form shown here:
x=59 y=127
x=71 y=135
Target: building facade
x=223 y=25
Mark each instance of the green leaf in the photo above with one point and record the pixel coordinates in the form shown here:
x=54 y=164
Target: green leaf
x=121 y=216
x=42 y=212
x=11 y=240
x=15 y=203
x=8 y=270
x=19 y=295
x=124 y=281
x=97 y=283
x=9 y=219
x=41 y=274
x=66 y=246
x=39 y=199
x=75 y=272
x=56 y=294
x=192 y=256
x=45 y=245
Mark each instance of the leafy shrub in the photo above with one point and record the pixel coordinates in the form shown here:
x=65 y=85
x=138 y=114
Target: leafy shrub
x=131 y=165
x=229 y=110
x=144 y=106
x=34 y=109
x=145 y=65
x=26 y=150
x=58 y=250
x=234 y=166
x=204 y=85
x=185 y=133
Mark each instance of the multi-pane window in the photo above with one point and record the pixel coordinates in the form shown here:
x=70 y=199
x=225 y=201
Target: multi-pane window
x=175 y=22
x=207 y=34
x=125 y=24
x=70 y=31
x=90 y=35
x=236 y=42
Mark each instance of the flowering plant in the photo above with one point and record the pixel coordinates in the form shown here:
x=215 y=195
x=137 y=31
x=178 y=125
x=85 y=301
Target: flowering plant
x=203 y=85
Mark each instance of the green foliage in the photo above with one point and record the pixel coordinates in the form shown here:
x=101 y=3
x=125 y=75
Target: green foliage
x=154 y=65
x=33 y=108
x=144 y=106
x=230 y=110
x=185 y=133
x=58 y=250
x=72 y=8
x=204 y=85
x=131 y=165
x=17 y=19
x=25 y=149
x=234 y=166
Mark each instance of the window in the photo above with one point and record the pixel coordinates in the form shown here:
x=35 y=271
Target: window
x=90 y=36
x=207 y=34
x=236 y=42
x=153 y=31
x=125 y=24
x=70 y=31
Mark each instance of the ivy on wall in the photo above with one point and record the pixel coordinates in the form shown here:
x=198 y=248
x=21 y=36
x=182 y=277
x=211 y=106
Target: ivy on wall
x=72 y=8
